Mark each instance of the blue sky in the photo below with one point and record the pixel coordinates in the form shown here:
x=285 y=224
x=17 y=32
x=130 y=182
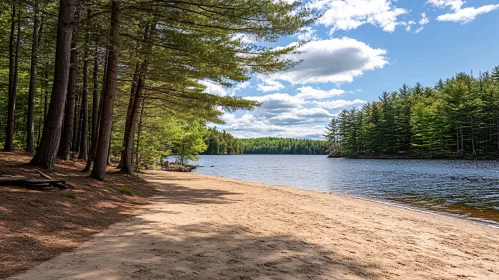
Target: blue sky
x=359 y=49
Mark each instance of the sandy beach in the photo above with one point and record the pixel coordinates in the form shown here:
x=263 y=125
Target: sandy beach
x=203 y=227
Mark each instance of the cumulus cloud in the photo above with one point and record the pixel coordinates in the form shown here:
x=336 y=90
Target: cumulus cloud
x=460 y=14
x=336 y=104
x=214 y=88
x=217 y=89
x=350 y=14
x=307 y=33
x=312 y=93
x=424 y=20
x=277 y=102
x=453 y=4
x=269 y=85
x=336 y=60
x=467 y=15
x=286 y=115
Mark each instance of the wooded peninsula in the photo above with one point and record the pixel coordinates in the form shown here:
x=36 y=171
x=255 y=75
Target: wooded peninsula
x=457 y=118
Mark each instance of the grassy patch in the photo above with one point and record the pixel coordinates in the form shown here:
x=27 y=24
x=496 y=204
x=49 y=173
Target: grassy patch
x=69 y=195
x=126 y=191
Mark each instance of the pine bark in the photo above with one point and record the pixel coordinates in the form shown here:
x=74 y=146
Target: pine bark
x=76 y=127
x=82 y=151
x=97 y=109
x=30 y=123
x=95 y=95
x=13 y=76
x=47 y=151
x=133 y=90
x=127 y=154
x=106 y=121
x=67 y=132
x=139 y=132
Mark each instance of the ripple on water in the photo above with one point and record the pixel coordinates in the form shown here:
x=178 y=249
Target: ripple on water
x=464 y=188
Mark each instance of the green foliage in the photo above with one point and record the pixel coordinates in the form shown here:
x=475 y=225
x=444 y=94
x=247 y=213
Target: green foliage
x=188 y=143
x=126 y=191
x=272 y=145
x=458 y=117
x=222 y=143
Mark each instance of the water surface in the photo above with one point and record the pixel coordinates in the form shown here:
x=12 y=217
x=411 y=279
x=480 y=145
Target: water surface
x=469 y=189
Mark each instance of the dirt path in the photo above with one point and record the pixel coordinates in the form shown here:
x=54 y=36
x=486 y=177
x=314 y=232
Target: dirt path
x=201 y=227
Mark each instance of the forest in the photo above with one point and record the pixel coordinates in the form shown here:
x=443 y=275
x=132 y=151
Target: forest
x=456 y=118
x=223 y=143
x=125 y=81
x=272 y=145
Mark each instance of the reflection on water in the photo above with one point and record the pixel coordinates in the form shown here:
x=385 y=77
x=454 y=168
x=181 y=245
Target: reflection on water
x=466 y=188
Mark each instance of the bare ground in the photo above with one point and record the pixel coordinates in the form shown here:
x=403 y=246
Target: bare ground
x=36 y=226
x=202 y=227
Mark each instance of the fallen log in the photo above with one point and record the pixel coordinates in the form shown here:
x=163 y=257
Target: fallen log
x=12 y=180
x=47 y=176
x=61 y=184
x=42 y=181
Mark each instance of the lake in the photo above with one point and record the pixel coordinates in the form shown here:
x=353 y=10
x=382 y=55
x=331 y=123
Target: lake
x=469 y=189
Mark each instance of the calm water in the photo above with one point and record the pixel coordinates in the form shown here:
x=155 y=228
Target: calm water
x=466 y=188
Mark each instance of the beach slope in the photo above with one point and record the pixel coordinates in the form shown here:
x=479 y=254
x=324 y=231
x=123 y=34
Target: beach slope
x=203 y=227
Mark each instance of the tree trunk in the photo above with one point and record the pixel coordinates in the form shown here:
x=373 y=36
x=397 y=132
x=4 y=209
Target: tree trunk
x=106 y=121
x=97 y=109
x=82 y=152
x=130 y=106
x=13 y=75
x=67 y=132
x=127 y=155
x=30 y=125
x=76 y=128
x=46 y=153
x=139 y=132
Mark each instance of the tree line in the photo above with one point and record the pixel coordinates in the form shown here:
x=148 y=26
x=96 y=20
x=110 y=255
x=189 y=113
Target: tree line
x=291 y=146
x=101 y=79
x=222 y=143
x=458 y=117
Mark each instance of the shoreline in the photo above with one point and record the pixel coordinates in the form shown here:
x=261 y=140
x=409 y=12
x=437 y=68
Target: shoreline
x=409 y=207
x=202 y=226
x=471 y=219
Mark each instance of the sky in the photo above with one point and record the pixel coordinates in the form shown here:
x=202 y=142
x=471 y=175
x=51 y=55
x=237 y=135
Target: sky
x=357 y=50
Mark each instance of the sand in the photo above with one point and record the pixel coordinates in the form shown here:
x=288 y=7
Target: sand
x=203 y=227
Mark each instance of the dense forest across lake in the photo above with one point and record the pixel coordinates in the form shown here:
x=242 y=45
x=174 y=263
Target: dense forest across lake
x=458 y=117
x=288 y=146
x=223 y=143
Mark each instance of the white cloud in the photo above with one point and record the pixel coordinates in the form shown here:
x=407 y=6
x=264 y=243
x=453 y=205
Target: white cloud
x=269 y=85
x=453 y=4
x=467 y=15
x=308 y=92
x=337 y=60
x=418 y=30
x=424 y=20
x=217 y=89
x=285 y=115
x=242 y=86
x=277 y=102
x=350 y=14
x=460 y=14
x=336 y=104
x=306 y=34
x=214 y=88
